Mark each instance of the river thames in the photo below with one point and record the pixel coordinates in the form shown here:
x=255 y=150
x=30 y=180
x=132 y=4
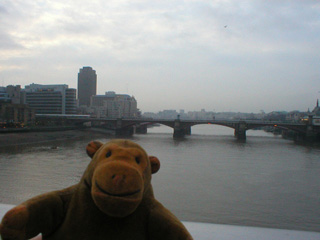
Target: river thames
x=209 y=176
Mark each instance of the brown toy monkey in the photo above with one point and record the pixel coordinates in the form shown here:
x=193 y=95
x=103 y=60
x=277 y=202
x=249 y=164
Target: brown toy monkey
x=113 y=201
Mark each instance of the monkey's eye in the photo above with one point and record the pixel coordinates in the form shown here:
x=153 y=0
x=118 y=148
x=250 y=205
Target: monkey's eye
x=137 y=160
x=108 y=154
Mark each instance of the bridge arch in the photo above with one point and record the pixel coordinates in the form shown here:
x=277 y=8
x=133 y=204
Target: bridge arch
x=219 y=124
x=279 y=126
x=212 y=129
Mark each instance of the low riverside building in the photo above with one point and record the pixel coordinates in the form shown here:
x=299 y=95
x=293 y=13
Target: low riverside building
x=12 y=112
x=50 y=99
x=16 y=114
x=4 y=96
x=10 y=94
x=316 y=110
x=112 y=105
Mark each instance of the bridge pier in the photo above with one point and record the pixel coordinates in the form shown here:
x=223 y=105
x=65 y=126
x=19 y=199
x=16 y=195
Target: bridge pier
x=123 y=131
x=310 y=135
x=240 y=131
x=187 y=130
x=178 y=131
x=141 y=129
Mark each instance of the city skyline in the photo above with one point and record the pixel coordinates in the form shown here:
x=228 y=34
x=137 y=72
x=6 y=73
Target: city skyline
x=170 y=109
x=218 y=55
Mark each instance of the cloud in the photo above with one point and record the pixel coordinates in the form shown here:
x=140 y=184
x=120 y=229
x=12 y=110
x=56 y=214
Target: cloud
x=7 y=42
x=142 y=25
x=160 y=46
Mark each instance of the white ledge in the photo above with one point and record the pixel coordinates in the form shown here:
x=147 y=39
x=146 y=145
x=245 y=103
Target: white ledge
x=209 y=231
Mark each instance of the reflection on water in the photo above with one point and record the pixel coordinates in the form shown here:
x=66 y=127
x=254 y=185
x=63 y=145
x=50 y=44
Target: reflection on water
x=207 y=177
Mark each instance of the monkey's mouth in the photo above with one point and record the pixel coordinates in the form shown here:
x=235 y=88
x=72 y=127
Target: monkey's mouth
x=125 y=194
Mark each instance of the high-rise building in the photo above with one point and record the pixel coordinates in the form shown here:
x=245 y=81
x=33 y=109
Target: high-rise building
x=87 y=85
x=51 y=99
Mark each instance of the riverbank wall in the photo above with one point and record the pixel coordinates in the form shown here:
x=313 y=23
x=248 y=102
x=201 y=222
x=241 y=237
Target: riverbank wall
x=48 y=135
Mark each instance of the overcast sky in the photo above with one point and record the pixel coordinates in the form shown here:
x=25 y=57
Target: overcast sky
x=220 y=55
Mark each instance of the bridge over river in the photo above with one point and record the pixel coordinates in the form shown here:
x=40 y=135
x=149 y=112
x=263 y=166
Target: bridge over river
x=181 y=128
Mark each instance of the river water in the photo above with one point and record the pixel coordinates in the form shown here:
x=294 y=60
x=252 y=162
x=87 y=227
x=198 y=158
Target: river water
x=209 y=176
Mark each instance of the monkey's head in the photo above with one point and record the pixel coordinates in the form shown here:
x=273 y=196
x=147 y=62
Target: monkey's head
x=119 y=175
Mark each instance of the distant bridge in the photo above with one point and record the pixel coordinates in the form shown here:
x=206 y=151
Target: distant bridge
x=125 y=126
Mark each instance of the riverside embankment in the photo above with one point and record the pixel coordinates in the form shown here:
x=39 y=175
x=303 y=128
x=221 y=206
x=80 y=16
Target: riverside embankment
x=20 y=138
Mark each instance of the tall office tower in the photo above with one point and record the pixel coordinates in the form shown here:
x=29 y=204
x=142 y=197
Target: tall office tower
x=87 y=85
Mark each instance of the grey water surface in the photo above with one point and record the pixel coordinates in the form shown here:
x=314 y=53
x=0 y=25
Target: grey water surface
x=209 y=176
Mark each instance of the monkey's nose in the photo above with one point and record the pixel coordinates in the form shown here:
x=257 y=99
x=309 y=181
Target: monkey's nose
x=118 y=179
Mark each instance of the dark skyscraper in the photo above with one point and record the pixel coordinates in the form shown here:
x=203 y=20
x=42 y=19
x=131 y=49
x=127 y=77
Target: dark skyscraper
x=87 y=85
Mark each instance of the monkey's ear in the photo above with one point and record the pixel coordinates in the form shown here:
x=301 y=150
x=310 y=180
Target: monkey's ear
x=93 y=147
x=155 y=164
